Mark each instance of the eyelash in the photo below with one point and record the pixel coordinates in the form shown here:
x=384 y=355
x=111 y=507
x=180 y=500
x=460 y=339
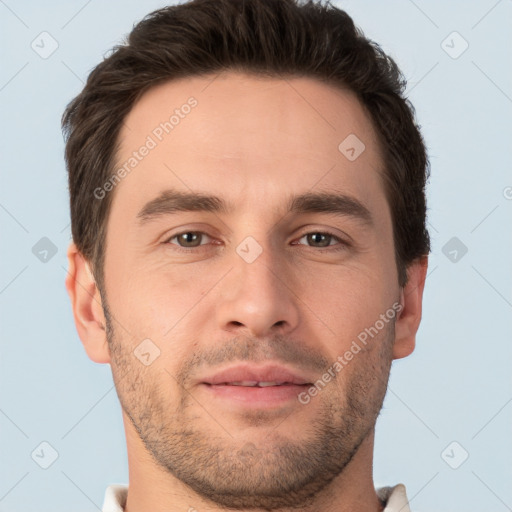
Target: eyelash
x=340 y=247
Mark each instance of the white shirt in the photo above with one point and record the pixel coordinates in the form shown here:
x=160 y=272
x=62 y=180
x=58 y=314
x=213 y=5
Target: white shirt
x=395 y=498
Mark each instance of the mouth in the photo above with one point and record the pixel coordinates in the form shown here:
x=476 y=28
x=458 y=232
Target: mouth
x=254 y=383
x=252 y=386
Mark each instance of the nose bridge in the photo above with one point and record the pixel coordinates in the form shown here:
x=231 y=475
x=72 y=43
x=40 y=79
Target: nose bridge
x=256 y=295
x=259 y=266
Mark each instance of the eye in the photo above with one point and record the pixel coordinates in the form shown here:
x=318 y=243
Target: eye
x=188 y=239
x=321 y=239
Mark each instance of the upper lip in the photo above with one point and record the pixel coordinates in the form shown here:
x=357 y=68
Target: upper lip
x=248 y=372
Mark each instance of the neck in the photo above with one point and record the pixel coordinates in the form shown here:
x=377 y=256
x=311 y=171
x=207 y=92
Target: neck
x=153 y=488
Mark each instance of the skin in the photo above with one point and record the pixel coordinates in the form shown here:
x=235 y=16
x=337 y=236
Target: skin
x=252 y=141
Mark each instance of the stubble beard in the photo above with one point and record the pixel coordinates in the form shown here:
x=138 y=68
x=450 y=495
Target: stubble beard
x=276 y=474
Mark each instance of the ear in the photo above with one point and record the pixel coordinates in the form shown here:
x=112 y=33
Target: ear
x=411 y=298
x=86 y=304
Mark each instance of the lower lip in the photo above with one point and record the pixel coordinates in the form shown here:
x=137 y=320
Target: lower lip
x=255 y=395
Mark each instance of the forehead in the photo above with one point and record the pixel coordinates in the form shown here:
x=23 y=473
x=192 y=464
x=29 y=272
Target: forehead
x=248 y=138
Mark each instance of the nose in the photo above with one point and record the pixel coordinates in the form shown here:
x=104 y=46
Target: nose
x=257 y=298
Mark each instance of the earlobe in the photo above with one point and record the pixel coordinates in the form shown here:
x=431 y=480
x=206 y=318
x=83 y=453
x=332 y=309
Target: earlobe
x=86 y=305
x=409 y=318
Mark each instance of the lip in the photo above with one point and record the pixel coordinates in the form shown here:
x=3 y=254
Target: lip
x=220 y=386
x=248 y=372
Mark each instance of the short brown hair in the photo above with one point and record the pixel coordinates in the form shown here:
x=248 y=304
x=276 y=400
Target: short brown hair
x=272 y=38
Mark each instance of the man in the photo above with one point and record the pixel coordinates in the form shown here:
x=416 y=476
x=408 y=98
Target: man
x=249 y=253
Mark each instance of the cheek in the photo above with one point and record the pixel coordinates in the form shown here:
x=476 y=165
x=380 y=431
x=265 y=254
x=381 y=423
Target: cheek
x=158 y=302
x=350 y=305
x=347 y=297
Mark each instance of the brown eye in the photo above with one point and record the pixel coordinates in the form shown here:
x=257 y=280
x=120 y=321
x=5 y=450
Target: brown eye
x=323 y=239
x=320 y=239
x=188 y=239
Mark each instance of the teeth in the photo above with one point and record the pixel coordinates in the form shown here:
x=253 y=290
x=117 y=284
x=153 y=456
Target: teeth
x=255 y=383
x=265 y=384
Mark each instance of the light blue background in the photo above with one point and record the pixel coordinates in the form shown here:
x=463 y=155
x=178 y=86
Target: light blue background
x=455 y=387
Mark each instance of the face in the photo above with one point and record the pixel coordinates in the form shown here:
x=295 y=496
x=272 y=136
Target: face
x=226 y=314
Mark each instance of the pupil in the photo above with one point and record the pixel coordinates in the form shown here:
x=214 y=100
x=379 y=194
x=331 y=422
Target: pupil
x=189 y=237
x=313 y=238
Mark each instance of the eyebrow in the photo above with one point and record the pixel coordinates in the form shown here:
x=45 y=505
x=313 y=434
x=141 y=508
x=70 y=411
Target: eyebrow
x=174 y=201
